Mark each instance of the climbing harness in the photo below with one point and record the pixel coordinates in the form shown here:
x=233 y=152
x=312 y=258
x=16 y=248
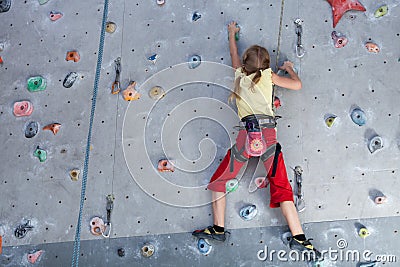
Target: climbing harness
x=77 y=241
x=109 y=208
x=299 y=31
x=116 y=87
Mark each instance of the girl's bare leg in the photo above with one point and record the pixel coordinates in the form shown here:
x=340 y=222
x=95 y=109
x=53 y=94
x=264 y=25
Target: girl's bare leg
x=292 y=218
x=218 y=206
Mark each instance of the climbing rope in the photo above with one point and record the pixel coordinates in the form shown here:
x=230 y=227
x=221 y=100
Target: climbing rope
x=77 y=242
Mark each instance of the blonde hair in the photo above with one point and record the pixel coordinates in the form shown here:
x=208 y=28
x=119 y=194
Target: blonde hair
x=254 y=60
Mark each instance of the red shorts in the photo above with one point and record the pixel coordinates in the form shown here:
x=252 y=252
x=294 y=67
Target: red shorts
x=280 y=188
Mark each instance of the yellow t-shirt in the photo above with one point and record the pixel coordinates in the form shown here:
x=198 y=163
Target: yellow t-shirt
x=257 y=100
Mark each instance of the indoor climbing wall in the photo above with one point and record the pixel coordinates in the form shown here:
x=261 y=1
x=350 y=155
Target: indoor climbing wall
x=342 y=128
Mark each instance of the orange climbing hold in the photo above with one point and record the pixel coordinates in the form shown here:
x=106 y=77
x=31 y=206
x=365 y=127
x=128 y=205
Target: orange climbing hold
x=33 y=257
x=72 y=55
x=130 y=93
x=373 y=48
x=54 y=127
x=165 y=166
x=97 y=226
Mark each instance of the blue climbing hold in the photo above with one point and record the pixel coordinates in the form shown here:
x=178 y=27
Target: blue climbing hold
x=194 y=61
x=196 y=16
x=375 y=144
x=203 y=246
x=153 y=58
x=249 y=212
x=358 y=117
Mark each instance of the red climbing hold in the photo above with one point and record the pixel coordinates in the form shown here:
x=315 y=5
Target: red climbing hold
x=55 y=15
x=1 y=60
x=277 y=102
x=165 y=166
x=33 y=257
x=339 y=7
x=23 y=108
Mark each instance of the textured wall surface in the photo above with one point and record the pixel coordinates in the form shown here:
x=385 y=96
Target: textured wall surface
x=193 y=125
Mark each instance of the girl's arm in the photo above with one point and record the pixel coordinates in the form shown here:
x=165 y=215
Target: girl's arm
x=232 y=30
x=293 y=82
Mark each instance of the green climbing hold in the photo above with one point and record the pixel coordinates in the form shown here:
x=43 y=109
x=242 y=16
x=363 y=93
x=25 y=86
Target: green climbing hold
x=42 y=2
x=236 y=34
x=40 y=154
x=232 y=185
x=329 y=121
x=381 y=11
x=37 y=83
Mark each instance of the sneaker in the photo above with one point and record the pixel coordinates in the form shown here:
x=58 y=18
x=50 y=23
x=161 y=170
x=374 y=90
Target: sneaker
x=209 y=233
x=305 y=246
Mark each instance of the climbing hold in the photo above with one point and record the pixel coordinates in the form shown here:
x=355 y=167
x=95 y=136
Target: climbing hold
x=194 y=61
x=153 y=58
x=74 y=174
x=358 y=117
x=165 y=166
x=42 y=2
x=70 y=79
x=5 y=5
x=40 y=154
x=380 y=199
x=23 y=108
x=232 y=185
x=121 y=252
x=372 y=47
x=1 y=244
x=330 y=120
x=111 y=27
x=381 y=11
x=1 y=61
x=73 y=55
x=363 y=232
x=33 y=257
x=249 y=212
x=147 y=250
x=203 y=246
x=277 y=102
x=54 y=15
x=156 y=93
x=160 y=2
x=375 y=143
x=2 y=45
x=31 y=129
x=261 y=182
x=367 y=264
x=37 y=83
x=130 y=93
x=339 y=39
x=339 y=7
x=22 y=229
x=236 y=34
x=54 y=127
x=97 y=226
x=196 y=16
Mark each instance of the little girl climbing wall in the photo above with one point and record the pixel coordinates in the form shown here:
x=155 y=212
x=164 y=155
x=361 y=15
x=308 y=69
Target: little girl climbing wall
x=162 y=95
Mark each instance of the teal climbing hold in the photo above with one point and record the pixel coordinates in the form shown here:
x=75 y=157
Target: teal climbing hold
x=358 y=116
x=232 y=185
x=42 y=2
x=194 y=61
x=40 y=154
x=203 y=246
x=37 y=83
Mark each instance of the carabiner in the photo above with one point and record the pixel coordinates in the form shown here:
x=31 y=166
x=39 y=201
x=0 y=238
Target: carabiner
x=300 y=51
x=115 y=88
x=107 y=227
x=116 y=85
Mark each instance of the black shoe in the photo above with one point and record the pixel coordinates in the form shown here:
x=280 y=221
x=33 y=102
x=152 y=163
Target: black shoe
x=210 y=233
x=306 y=245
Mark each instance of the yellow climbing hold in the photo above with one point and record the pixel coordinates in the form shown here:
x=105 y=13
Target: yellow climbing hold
x=329 y=121
x=363 y=232
x=381 y=11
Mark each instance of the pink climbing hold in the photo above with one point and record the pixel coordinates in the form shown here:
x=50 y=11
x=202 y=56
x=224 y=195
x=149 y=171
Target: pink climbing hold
x=33 y=257
x=55 y=15
x=277 y=102
x=23 y=108
x=339 y=39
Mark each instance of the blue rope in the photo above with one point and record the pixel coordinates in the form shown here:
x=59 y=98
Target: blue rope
x=77 y=242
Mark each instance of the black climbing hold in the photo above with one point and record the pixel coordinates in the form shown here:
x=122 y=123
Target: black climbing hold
x=22 y=230
x=121 y=252
x=70 y=79
x=5 y=5
x=196 y=16
x=31 y=128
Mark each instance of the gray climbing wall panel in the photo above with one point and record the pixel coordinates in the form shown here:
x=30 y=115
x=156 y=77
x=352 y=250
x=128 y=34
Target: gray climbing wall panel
x=192 y=124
